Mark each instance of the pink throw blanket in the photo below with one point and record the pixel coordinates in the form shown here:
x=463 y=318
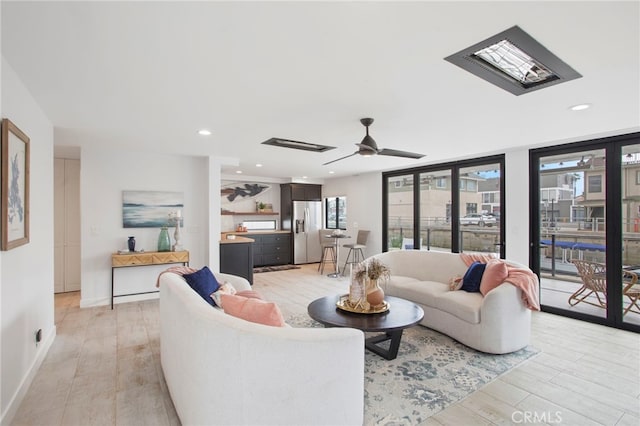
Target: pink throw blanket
x=522 y=278
x=180 y=270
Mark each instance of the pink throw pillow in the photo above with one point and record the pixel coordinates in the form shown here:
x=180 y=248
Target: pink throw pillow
x=494 y=274
x=251 y=294
x=251 y=309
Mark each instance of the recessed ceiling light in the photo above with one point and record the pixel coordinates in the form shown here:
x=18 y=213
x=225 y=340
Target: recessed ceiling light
x=258 y=165
x=239 y=172
x=304 y=177
x=331 y=172
x=204 y=132
x=580 y=107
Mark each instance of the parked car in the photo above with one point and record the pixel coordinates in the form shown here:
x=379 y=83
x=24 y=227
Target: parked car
x=478 y=219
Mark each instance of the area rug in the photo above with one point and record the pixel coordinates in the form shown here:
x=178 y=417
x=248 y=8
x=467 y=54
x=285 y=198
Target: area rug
x=431 y=372
x=274 y=268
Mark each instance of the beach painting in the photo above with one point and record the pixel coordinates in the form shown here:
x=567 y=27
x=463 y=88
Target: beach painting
x=150 y=209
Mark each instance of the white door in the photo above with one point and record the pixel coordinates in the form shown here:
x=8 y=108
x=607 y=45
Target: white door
x=58 y=225
x=66 y=225
x=72 y=226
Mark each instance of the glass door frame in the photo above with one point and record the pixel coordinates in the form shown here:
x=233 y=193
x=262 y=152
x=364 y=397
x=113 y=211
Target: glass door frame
x=613 y=217
x=454 y=167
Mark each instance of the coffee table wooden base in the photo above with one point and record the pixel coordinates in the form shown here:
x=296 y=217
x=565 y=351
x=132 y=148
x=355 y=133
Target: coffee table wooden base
x=402 y=314
x=394 y=336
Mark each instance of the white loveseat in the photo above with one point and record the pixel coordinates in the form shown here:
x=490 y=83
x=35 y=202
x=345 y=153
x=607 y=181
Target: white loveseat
x=496 y=323
x=222 y=370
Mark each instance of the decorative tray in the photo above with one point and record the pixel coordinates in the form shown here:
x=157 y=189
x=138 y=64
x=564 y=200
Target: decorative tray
x=344 y=304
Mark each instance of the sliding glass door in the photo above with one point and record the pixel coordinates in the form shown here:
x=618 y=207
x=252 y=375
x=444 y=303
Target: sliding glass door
x=572 y=226
x=480 y=208
x=630 y=188
x=400 y=208
x=585 y=207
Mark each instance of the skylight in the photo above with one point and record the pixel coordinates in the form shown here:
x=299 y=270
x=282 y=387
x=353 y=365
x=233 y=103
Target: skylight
x=509 y=59
x=514 y=61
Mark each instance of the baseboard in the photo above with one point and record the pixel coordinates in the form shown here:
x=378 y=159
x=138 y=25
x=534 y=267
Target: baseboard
x=18 y=396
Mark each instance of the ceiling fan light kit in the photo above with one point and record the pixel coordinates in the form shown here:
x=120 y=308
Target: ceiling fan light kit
x=368 y=147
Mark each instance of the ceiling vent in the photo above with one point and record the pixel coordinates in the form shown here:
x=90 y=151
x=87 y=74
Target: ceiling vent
x=305 y=146
x=514 y=61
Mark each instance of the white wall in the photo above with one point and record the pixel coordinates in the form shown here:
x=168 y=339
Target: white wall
x=104 y=175
x=516 y=180
x=26 y=272
x=364 y=208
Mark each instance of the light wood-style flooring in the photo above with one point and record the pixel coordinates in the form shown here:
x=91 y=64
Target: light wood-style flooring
x=104 y=367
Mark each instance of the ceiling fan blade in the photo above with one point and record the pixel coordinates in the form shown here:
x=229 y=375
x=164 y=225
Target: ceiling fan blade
x=363 y=147
x=396 y=153
x=341 y=158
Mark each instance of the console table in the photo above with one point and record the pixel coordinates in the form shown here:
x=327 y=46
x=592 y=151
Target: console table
x=145 y=259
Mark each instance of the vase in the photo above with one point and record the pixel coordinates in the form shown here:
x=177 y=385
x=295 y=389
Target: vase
x=164 y=242
x=375 y=294
x=177 y=237
x=131 y=243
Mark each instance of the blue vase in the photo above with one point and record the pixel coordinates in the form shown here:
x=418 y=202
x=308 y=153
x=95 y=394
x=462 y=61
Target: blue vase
x=131 y=243
x=164 y=242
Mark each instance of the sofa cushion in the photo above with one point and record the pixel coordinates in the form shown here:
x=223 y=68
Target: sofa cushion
x=421 y=292
x=461 y=304
x=253 y=310
x=204 y=283
x=494 y=274
x=473 y=277
x=393 y=282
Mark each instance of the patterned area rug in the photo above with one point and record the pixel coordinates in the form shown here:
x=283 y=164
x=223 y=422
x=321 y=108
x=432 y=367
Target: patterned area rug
x=274 y=268
x=430 y=372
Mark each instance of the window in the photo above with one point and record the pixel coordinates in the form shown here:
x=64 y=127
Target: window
x=595 y=183
x=336 y=213
x=638 y=177
x=430 y=214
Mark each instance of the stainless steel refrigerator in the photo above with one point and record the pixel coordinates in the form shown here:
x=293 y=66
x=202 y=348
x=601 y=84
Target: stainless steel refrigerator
x=307 y=222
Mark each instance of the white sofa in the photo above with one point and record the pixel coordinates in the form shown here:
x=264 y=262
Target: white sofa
x=222 y=370
x=497 y=323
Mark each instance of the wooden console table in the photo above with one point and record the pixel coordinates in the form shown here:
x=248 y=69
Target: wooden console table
x=145 y=259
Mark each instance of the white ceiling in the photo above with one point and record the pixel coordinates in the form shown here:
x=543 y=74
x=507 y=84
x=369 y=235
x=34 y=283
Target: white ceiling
x=147 y=75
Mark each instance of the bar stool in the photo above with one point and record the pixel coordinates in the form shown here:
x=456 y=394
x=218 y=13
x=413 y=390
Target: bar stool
x=328 y=249
x=355 y=250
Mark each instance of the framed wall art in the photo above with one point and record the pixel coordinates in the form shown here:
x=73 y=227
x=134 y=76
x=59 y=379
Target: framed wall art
x=14 y=206
x=150 y=209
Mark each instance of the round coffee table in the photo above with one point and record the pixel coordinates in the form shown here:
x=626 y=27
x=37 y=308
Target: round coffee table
x=401 y=314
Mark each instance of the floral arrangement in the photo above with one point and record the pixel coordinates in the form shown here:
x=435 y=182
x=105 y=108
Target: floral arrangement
x=373 y=270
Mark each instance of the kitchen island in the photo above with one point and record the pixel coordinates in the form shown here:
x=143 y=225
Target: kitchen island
x=245 y=250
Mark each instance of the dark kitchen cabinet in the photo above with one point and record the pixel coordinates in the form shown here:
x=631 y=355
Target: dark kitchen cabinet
x=271 y=249
x=237 y=259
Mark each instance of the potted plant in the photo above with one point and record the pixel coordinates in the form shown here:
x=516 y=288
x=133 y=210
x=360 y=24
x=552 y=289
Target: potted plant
x=367 y=275
x=261 y=206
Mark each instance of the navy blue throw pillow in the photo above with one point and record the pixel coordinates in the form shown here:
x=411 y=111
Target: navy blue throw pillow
x=204 y=283
x=473 y=276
